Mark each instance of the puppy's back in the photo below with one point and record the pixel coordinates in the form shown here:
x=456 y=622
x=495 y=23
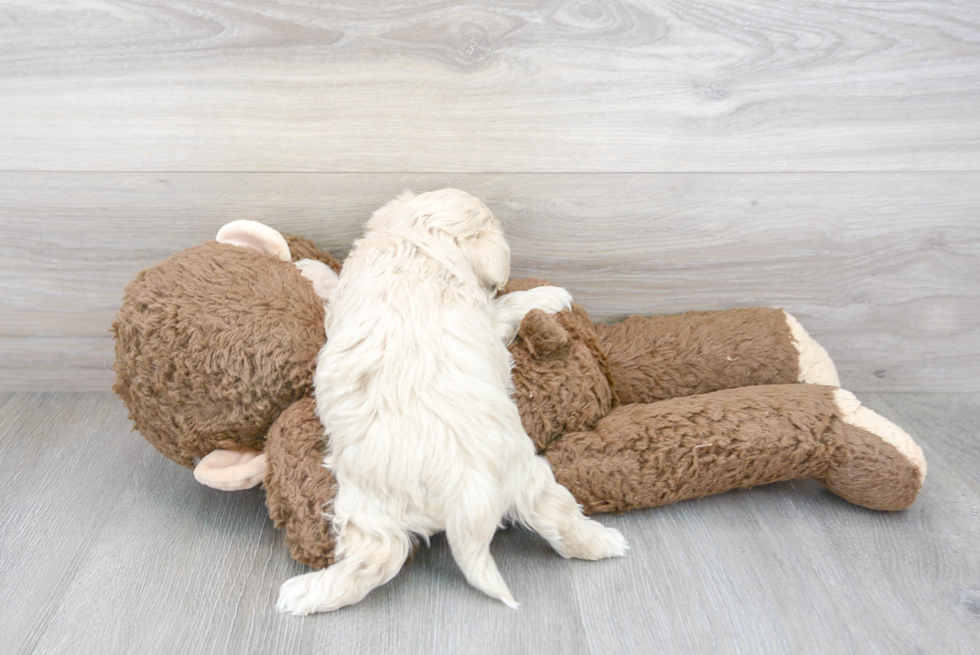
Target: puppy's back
x=413 y=372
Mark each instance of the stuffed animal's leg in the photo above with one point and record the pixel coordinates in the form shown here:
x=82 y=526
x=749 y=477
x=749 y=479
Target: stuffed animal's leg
x=368 y=560
x=699 y=352
x=877 y=465
x=659 y=453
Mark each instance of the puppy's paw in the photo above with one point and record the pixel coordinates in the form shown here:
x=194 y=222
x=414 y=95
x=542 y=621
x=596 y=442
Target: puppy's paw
x=613 y=544
x=551 y=299
x=596 y=542
x=302 y=595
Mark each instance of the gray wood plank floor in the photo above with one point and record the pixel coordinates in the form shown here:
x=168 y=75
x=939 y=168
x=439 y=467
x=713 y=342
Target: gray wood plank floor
x=106 y=547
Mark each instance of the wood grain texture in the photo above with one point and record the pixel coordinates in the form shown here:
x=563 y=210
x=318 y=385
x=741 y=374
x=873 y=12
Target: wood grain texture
x=65 y=463
x=881 y=268
x=109 y=548
x=558 y=86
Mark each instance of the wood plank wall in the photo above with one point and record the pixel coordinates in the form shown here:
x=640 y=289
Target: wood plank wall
x=653 y=157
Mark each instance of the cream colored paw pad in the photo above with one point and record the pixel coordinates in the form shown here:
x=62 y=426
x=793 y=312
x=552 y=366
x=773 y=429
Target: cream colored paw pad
x=856 y=414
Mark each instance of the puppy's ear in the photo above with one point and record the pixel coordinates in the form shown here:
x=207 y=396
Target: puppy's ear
x=255 y=235
x=381 y=217
x=488 y=255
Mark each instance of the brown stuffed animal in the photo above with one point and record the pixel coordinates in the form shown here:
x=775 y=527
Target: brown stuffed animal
x=216 y=348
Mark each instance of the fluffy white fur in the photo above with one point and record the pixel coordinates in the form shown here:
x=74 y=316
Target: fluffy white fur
x=414 y=389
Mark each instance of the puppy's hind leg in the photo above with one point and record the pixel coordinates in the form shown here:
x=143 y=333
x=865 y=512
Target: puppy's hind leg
x=469 y=530
x=366 y=561
x=550 y=510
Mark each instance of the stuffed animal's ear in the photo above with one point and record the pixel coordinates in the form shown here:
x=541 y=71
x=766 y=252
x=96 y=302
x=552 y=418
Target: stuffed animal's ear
x=230 y=470
x=255 y=235
x=544 y=335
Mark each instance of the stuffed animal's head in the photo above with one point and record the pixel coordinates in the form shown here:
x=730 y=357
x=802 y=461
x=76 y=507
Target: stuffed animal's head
x=215 y=342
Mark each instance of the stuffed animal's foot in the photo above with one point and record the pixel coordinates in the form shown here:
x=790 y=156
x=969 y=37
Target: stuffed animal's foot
x=878 y=464
x=816 y=367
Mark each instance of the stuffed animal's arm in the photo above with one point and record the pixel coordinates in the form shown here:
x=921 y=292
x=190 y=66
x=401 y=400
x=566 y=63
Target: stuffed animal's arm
x=654 y=454
x=298 y=487
x=512 y=307
x=322 y=276
x=665 y=357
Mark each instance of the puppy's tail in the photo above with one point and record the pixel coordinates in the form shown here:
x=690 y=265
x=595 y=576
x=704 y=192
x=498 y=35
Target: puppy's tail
x=469 y=530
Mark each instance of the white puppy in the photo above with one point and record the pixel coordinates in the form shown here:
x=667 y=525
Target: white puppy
x=414 y=388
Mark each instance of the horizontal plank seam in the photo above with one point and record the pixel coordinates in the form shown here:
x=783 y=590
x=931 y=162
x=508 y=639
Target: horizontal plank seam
x=521 y=173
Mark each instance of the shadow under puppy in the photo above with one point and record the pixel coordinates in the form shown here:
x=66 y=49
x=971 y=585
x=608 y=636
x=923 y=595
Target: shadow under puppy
x=414 y=388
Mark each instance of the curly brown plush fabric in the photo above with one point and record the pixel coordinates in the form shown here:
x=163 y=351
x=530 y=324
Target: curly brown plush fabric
x=298 y=488
x=570 y=372
x=654 y=454
x=302 y=248
x=869 y=472
x=560 y=374
x=698 y=352
x=198 y=374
